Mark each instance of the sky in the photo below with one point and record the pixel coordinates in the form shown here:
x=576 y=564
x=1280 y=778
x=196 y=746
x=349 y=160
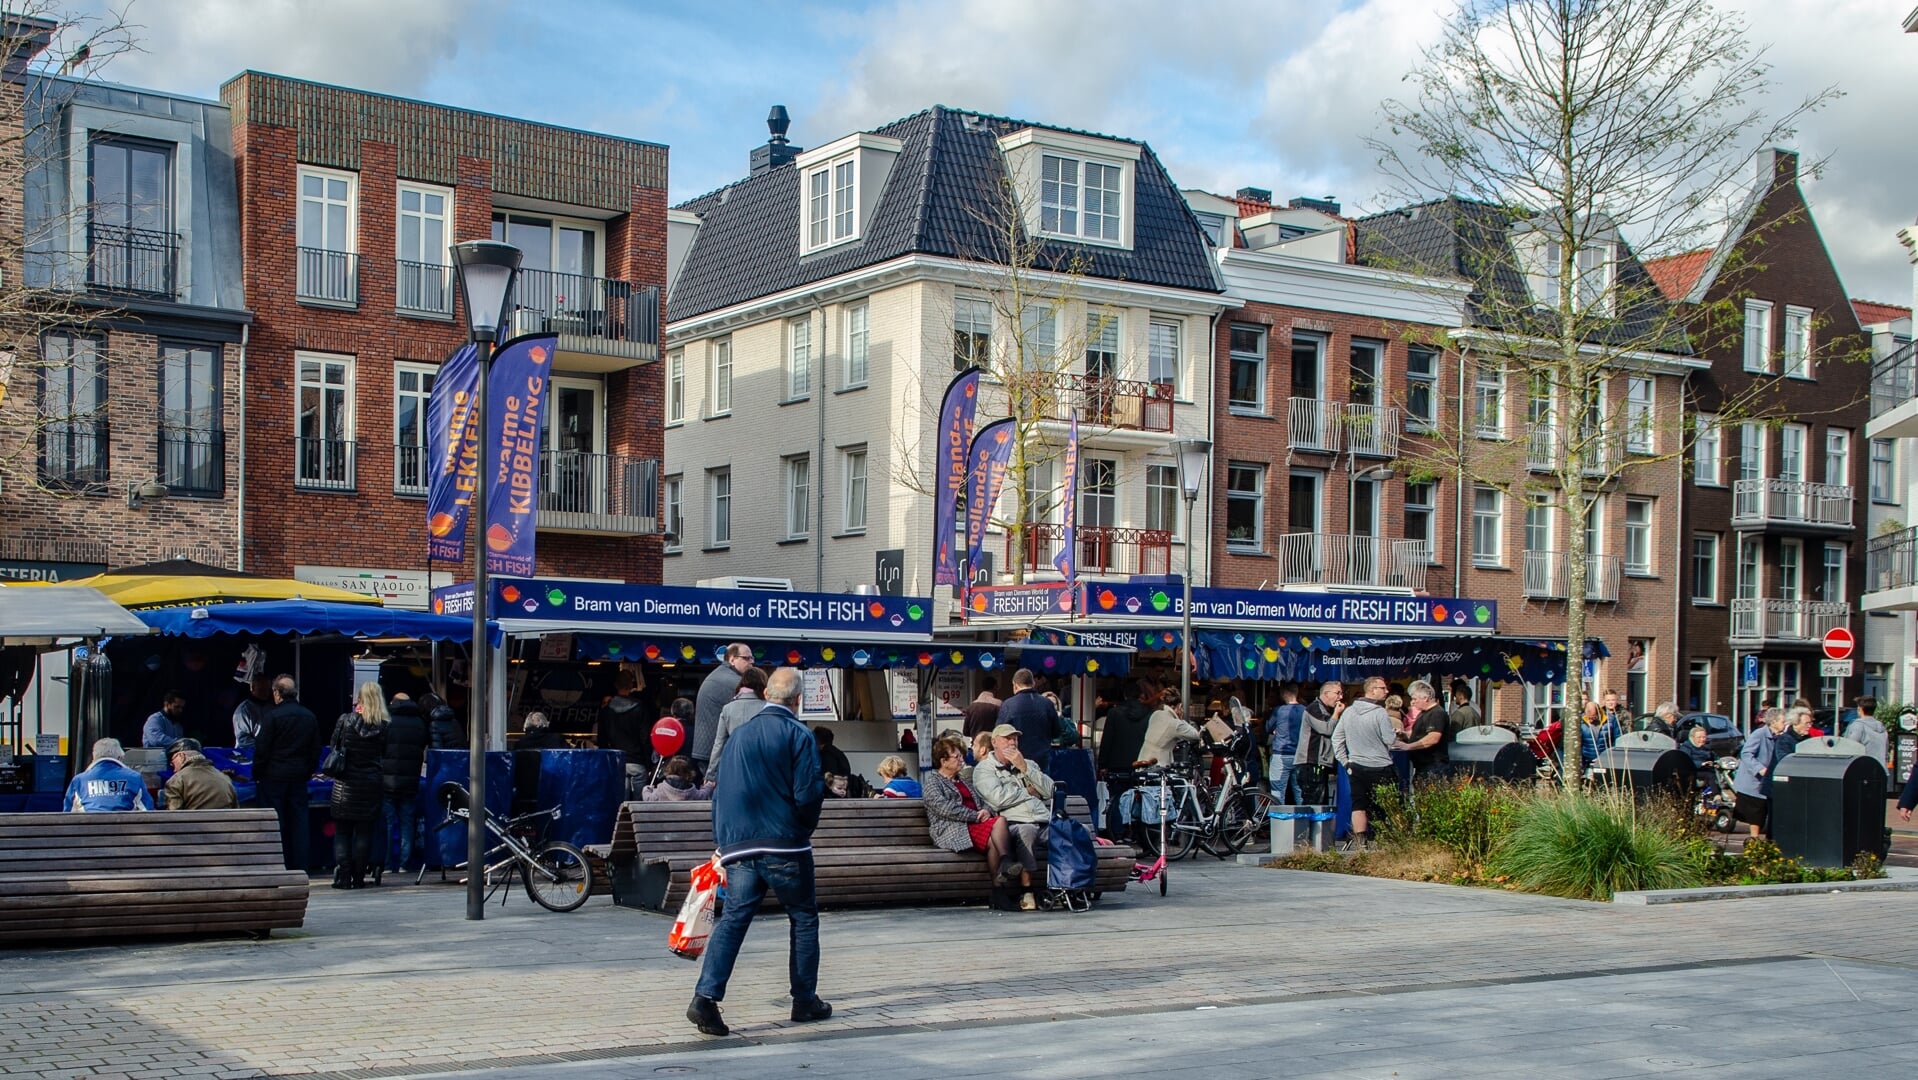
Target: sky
x=1276 y=94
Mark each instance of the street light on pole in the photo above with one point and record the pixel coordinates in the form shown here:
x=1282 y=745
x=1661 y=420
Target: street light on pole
x=1193 y=454
x=486 y=269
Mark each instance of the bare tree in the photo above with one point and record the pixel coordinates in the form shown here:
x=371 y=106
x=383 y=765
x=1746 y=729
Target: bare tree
x=1568 y=135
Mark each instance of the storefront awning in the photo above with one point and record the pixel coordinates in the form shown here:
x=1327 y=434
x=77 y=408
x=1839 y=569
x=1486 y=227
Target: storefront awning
x=1348 y=658
x=35 y=615
x=172 y=589
x=306 y=618
x=856 y=655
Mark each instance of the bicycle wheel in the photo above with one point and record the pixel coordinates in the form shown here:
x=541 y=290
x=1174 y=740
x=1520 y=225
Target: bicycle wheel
x=559 y=879
x=1184 y=828
x=1246 y=822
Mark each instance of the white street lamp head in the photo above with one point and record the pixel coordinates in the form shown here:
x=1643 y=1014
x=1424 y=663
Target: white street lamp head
x=486 y=270
x=1193 y=455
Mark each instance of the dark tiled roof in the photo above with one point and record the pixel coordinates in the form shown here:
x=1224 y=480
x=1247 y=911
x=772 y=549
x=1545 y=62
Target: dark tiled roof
x=938 y=200
x=1461 y=238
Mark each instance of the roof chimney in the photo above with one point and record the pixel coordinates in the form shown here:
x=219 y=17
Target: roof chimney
x=1254 y=195
x=1323 y=206
x=1777 y=167
x=776 y=152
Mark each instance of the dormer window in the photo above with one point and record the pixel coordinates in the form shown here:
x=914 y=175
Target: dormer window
x=1071 y=186
x=1593 y=269
x=839 y=188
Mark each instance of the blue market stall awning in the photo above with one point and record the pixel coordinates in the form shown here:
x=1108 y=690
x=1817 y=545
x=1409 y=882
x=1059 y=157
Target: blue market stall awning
x=1348 y=658
x=307 y=618
x=855 y=655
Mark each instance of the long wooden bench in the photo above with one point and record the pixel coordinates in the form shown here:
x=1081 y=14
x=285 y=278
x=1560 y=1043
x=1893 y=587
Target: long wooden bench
x=865 y=851
x=68 y=876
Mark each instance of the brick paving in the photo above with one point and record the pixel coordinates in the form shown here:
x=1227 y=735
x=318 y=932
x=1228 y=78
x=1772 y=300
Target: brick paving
x=395 y=982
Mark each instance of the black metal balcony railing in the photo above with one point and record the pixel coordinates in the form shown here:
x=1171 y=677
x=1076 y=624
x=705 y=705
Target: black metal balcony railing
x=323 y=464
x=329 y=276
x=410 y=476
x=1891 y=561
x=1103 y=549
x=1894 y=379
x=598 y=493
x=129 y=260
x=73 y=453
x=424 y=288
x=580 y=306
x=192 y=460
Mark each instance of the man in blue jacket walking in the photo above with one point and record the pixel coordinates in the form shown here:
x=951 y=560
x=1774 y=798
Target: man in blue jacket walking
x=764 y=812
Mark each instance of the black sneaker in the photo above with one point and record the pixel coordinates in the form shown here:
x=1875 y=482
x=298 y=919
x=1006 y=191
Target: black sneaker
x=704 y=1013
x=805 y=1012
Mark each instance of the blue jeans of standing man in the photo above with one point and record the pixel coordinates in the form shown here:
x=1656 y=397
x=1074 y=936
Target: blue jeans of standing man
x=1284 y=786
x=790 y=878
x=403 y=816
x=288 y=799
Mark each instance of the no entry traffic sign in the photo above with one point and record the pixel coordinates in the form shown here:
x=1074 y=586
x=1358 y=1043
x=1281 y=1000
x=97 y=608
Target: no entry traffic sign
x=1839 y=643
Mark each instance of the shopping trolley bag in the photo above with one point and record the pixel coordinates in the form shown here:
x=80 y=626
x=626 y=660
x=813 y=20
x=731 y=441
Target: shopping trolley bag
x=695 y=921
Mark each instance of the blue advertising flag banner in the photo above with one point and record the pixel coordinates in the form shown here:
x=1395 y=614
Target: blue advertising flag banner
x=517 y=393
x=1259 y=607
x=986 y=464
x=452 y=455
x=1068 y=560
x=723 y=614
x=955 y=439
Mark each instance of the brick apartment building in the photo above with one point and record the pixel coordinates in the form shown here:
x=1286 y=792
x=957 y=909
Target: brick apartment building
x=1376 y=356
x=349 y=201
x=1773 y=514
x=125 y=362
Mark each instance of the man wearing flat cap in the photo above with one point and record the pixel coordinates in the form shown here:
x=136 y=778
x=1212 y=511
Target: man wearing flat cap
x=1015 y=788
x=195 y=783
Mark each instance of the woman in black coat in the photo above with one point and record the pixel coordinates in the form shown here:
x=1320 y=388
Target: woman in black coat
x=358 y=792
x=400 y=770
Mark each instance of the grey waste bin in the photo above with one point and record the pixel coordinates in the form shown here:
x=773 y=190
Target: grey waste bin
x=1511 y=762
x=1302 y=828
x=1649 y=771
x=1828 y=803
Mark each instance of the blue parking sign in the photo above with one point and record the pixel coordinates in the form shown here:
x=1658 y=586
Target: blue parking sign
x=1751 y=670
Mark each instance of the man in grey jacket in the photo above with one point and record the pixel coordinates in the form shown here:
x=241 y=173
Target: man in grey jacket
x=1014 y=788
x=1865 y=728
x=1363 y=742
x=714 y=694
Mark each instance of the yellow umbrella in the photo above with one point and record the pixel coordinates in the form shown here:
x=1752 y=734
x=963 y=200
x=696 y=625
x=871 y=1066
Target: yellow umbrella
x=174 y=590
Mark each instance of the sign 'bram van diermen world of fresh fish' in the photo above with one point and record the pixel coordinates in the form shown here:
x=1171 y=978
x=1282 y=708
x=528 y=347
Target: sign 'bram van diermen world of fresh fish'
x=600 y=604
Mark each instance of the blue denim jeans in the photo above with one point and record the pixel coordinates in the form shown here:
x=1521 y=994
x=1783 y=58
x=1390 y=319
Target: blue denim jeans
x=403 y=817
x=1284 y=785
x=790 y=878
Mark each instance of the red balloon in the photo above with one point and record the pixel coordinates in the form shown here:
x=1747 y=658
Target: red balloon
x=668 y=736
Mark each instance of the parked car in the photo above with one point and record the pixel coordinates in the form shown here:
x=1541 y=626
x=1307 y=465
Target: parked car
x=1722 y=737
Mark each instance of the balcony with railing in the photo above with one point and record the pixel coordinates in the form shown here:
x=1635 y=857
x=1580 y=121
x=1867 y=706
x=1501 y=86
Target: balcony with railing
x=1103 y=549
x=1788 y=621
x=594 y=316
x=423 y=289
x=138 y=262
x=1891 y=572
x=1599 y=454
x=1372 y=430
x=1344 y=559
x=1791 y=505
x=602 y=494
x=323 y=464
x=410 y=475
x=1541 y=449
x=1548 y=576
x=1894 y=395
x=1315 y=425
x=328 y=277
x=193 y=461
x=1101 y=401
x=73 y=453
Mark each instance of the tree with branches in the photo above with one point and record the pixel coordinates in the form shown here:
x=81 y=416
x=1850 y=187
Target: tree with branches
x=1571 y=139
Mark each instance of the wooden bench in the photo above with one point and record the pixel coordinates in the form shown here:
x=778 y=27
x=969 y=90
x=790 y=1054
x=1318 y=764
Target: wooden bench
x=865 y=851
x=164 y=872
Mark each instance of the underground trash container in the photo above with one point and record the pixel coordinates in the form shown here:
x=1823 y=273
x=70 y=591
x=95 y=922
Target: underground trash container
x=1648 y=769
x=1828 y=803
x=1492 y=753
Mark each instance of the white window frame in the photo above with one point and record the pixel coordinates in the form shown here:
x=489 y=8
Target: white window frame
x=799 y=359
x=349 y=382
x=442 y=286
x=1638 y=535
x=1826 y=567
x=1488 y=400
x=1796 y=349
x=1838 y=452
x=1427 y=380
x=1792 y=467
x=1754 y=447
x=1038 y=336
x=1540 y=521
x=798 y=489
x=1884 y=466
x=674 y=520
x=351 y=203
x=1707 y=556
x=1426 y=507
x=1242 y=357
x=1484 y=555
x=722 y=377
x=1592 y=277
x=856 y=504
x=1066 y=198
x=971 y=316
x=1544 y=703
x=1256 y=496
x=719 y=507
x=1701 y=673
x=1708 y=452
x=423 y=374
x=858 y=346
x=1161 y=485
x=675 y=387
x=1640 y=410
x=1791 y=569
x=830 y=203
x=1757 y=346
x=1155 y=356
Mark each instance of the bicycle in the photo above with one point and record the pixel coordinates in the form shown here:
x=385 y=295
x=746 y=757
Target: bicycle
x=554 y=872
x=1225 y=822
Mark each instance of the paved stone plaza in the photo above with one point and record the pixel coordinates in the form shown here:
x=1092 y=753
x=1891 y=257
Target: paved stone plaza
x=1240 y=971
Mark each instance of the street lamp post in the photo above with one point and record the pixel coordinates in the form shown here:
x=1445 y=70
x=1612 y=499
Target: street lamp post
x=1193 y=455
x=486 y=269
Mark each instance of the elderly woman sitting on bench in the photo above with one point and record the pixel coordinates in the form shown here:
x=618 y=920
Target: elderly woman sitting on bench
x=956 y=817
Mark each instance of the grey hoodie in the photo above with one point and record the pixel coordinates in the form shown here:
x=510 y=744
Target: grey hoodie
x=1365 y=735
x=1868 y=730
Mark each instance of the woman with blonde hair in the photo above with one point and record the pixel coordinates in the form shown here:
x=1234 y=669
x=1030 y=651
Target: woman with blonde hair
x=358 y=745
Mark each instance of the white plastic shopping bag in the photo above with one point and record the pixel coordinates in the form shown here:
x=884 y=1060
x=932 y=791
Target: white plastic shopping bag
x=695 y=922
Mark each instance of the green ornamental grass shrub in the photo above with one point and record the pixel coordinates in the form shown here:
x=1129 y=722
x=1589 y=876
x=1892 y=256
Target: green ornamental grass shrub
x=1589 y=846
x=1468 y=817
